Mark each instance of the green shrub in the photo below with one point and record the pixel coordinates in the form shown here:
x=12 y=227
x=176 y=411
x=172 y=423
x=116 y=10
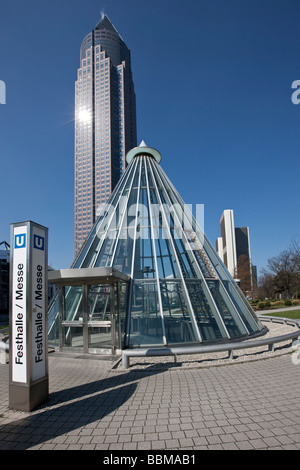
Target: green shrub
x=268 y=304
x=261 y=305
x=288 y=303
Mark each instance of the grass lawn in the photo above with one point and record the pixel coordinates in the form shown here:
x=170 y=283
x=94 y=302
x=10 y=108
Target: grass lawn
x=293 y=314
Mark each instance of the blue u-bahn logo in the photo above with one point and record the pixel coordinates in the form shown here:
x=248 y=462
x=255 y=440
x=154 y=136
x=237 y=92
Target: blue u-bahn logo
x=20 y=240
x=39 y=242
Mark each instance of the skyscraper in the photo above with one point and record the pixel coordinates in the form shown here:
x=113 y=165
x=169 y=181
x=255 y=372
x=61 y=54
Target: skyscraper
x=233 y=248
x=228 y=240
x=242 y=240
x=105 y=122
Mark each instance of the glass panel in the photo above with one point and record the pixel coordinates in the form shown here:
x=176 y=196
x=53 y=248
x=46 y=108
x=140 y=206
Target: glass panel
x=123 y=257
x=186 y=265
x=117 y=326
x=121 y=321
x=53 y=322
x=167 y=267
x=233 y=324
x=240 y=306
x=185 y=261
x=146 y=322
x=100 y=337
x=135 y=172
x=107 y=248
x=131 y=208
x=178 y=324
x=99 y=303
x=136 y=176
x=72 y=310
x=144 y=266
x=144 y=216
x=237 y=297
x=92 y=254
x=206 y=320
x=72 y=337
x=150 y=181
x=143 y=175
x=121 y=207
x=156 y=212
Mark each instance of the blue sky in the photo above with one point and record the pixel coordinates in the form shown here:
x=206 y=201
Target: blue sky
x=213 y=87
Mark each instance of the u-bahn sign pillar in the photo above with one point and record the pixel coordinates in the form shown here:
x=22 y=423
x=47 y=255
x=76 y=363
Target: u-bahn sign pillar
x=28 y=348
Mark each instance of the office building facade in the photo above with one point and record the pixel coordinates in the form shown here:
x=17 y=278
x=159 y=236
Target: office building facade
x=228 y=255
x=242 y=240
x=233 y=248
x=105 y=123
x=219 y=248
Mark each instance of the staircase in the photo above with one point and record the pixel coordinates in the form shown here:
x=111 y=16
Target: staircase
x=203 y=261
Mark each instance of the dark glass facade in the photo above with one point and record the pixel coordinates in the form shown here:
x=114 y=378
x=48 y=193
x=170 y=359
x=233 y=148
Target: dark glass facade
x=105 y=122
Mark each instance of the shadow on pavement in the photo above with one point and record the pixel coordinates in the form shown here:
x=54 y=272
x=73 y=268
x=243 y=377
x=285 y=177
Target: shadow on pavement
x=70 y=409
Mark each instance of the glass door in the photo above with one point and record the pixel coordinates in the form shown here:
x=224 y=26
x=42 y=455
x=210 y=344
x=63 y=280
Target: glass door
x=101 y=319
x=72 y=318
x=89 y=314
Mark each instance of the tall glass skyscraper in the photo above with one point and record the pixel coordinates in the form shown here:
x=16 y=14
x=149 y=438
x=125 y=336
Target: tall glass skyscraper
x=105 y=122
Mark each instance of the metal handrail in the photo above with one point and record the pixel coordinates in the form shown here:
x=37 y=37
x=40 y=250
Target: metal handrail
x=4 y=346
x=230 y=347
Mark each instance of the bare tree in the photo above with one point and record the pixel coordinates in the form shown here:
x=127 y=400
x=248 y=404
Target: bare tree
x=282 y=275
x=266 y=287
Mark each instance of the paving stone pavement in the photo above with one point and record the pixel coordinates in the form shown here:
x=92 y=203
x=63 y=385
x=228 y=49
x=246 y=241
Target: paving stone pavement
x=251 y=405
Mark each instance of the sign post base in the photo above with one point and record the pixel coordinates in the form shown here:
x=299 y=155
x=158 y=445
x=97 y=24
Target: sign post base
x=23 y=397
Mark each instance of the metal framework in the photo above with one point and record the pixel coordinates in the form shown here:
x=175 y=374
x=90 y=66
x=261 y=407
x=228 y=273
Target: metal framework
x=178 y=290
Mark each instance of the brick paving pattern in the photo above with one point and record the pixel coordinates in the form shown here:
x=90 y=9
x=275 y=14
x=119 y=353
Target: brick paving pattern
x=251 y=405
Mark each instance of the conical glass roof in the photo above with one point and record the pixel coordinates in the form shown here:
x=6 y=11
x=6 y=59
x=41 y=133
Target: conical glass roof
x=179 y=290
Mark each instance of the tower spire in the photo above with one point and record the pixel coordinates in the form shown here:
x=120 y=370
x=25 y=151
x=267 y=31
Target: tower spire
x=105 y=23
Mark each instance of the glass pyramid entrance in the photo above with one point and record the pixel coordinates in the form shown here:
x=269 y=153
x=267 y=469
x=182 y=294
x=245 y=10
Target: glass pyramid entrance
x=178 y=290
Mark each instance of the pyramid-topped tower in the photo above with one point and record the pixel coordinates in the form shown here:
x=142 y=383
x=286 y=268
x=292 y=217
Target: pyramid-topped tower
x=175 y=289
x=105 y=123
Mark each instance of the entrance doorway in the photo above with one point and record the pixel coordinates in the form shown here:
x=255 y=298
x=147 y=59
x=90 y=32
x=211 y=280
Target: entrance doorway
x=101 y=319
x=92 y=309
